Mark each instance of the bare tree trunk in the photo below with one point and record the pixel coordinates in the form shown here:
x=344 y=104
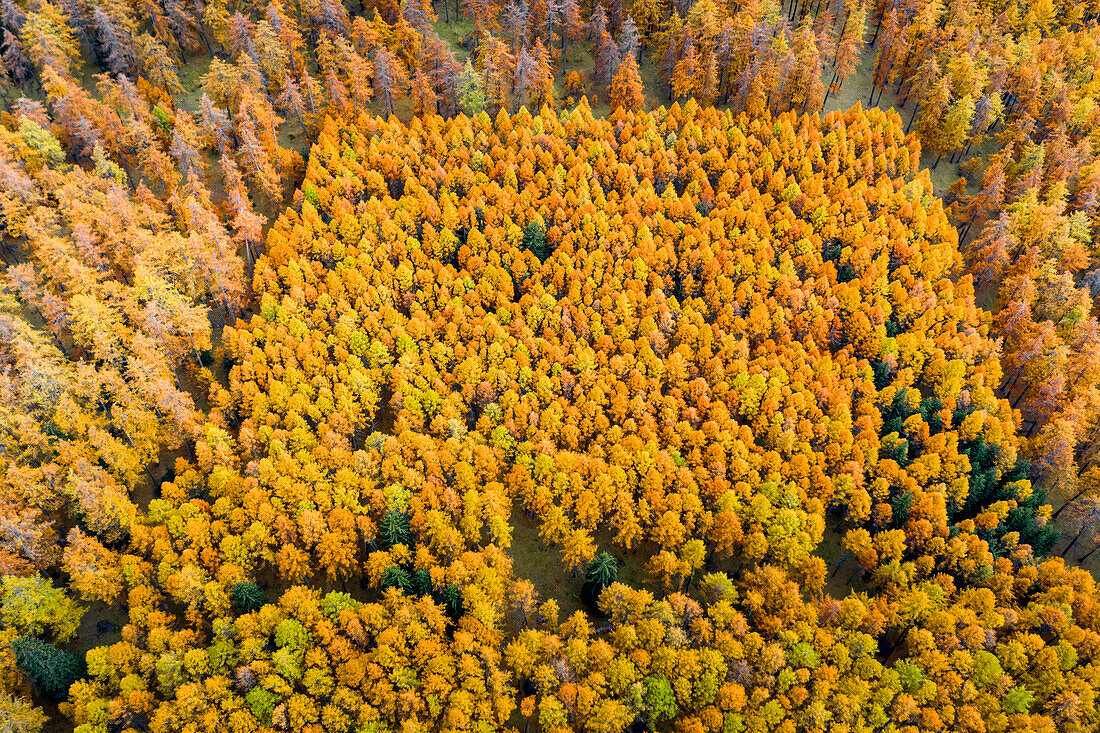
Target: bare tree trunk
x=205 y=37
x=878 y=26
x=901 y=80
x=564 y=49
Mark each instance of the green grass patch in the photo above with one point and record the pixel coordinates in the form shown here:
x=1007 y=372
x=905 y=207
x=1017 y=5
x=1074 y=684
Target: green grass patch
x=452 y=34
x=542 y=565
x=190 y=76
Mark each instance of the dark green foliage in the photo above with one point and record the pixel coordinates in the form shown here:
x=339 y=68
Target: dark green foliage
x=987 y=489
x=899 y=506
x=248 y=597
x=396 y=577
x=881 y=371
x=991 y=537
x=984 y=486
x=451 y=598
x=894 y=417
x=960 y=413
x=1040 y=535
x=1020 y=471
x=898 y=453
x=534 y=241
x=892 y=328
x=832 y=251
x=52 y=670
x=602 y=572
x=395 y=529
x=929 y=412
x=845 y=273
x=422 y=582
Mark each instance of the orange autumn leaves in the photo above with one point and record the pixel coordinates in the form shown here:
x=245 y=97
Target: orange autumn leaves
x=696 y=340
x=741 y=329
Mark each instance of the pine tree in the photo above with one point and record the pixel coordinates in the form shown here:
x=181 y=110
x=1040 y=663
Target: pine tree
x=394 y=529
x=534 y=241
x=421 y=582
x=52 y=670
x=248 y=597
x=451 y=598
x=396 y=577
x=602 y=572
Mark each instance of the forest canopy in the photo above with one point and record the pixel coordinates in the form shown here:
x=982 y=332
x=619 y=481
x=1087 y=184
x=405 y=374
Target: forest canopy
x=549 y=365
x=687 y=341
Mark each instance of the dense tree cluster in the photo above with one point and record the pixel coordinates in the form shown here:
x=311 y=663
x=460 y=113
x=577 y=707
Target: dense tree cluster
x=295 y=424
x=689 y=338
x=1024 y=97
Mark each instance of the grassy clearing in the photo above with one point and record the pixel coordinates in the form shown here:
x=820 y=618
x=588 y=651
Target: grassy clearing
x=452 y=33
x=89 y=637
x=542 y=565
x=190 y=75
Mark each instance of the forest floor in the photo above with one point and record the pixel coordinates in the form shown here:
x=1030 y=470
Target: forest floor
x=1082 y=548
x=843 y=575
x=541 y=564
